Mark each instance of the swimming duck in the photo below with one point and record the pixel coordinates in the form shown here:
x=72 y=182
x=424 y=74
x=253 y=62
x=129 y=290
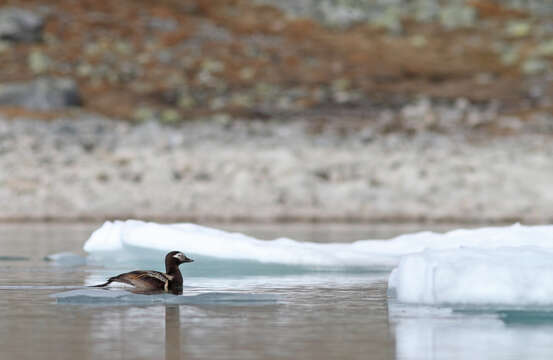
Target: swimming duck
x=149 y=280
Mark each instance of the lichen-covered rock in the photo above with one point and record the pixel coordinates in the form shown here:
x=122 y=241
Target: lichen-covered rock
x=456 y=16
x=518 y=29
x=389 y=19
x=534 y=66
x=170 y=116
x=41 y=94
x=20 y=25
x=451 y=14
x=38 y=62
x=546 y=48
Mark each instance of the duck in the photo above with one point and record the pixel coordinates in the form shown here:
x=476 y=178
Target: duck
x=155 y=281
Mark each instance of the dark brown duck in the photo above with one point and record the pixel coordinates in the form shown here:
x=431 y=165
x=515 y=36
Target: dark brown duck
x=149 y=280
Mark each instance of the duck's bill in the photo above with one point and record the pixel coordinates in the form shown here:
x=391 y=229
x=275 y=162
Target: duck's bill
x=188 y=260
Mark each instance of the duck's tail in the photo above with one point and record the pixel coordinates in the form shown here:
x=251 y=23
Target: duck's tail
x=102 y=285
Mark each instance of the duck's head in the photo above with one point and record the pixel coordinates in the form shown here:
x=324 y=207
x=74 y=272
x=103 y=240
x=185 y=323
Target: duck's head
x=176 y=257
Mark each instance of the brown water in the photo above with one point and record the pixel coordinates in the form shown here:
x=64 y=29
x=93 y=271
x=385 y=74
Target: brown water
x=321 y=316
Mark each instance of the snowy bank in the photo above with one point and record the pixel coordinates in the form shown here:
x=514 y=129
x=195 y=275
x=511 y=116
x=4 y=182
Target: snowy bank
x=509 y=276
x=141 y=242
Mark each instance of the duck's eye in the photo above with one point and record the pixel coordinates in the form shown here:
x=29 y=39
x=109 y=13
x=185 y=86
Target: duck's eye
x=179 y=256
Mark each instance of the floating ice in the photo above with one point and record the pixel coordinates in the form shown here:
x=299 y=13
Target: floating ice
x=511 y=277
x=136 y=242
x=121 y=297
x=66 y=259
x=221 y=283
x=473 y=339
x=431 y=333
x=13 y=258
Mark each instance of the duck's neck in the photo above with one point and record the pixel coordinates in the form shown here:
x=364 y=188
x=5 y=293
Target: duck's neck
x=173 y=270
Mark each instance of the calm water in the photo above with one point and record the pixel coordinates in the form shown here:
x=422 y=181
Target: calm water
x=325 y=316
x=318 y=316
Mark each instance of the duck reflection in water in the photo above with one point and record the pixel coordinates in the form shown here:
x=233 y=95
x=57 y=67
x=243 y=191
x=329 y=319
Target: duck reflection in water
x=172 y=333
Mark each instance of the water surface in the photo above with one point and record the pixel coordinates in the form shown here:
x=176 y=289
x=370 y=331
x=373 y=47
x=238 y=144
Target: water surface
x=318 y=315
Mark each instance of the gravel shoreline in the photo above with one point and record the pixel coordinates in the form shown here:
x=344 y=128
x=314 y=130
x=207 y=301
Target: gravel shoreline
x=92 y=168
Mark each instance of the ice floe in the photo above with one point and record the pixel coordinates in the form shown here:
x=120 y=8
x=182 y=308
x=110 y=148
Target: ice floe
x=121 y=297
x=473 y=339
x=13 y=258
x=470 y=277
x=439 y=333
x=142 y=242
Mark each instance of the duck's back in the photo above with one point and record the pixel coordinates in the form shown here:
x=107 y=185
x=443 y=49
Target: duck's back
x=147 y=280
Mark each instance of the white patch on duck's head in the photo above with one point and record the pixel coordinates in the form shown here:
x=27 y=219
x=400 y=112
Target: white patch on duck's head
x=182 y=258
x=179 y=256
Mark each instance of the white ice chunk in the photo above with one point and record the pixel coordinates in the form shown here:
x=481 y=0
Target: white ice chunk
x=108 y=236
x=120 y=241
x=121 y=297
x=520 y=277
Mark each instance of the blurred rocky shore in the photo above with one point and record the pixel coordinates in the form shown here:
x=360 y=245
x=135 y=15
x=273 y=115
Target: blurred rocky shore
x=311 y=110
x=95 y=168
